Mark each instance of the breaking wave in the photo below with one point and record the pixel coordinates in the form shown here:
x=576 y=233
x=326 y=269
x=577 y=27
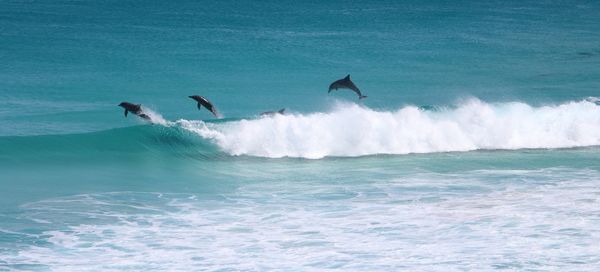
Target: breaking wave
x=354 y=130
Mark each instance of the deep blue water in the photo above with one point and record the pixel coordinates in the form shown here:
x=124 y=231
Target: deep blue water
x=476 y=149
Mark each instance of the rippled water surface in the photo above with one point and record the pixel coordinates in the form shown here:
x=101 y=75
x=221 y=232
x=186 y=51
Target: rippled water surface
x=477 y=148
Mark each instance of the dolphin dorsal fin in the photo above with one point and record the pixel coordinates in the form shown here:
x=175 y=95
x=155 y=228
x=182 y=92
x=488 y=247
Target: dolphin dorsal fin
x=281 y=111
x=347 y=77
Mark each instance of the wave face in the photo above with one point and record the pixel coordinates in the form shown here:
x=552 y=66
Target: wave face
x=353 y=130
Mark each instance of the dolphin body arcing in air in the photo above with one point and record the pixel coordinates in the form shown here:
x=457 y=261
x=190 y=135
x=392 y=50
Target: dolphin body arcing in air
x=346 y=83
x=204 y=102
x=135 y=109
x=271 y=113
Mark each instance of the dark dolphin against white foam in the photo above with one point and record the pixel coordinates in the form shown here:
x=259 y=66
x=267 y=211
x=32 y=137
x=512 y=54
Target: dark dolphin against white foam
x=135 y=109
x=346 y=83
x=271 y=113
x=593 y=99
x=204 y=102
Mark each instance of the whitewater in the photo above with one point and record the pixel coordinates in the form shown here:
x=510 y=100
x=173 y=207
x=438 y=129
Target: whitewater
x=355 y=130
x=477 y=149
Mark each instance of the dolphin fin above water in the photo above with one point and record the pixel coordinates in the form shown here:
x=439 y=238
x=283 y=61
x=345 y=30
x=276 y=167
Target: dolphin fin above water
x=346 y=83
x=271 y=113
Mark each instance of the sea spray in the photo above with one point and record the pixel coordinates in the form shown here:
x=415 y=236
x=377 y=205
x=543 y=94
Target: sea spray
x=354 y=130
x=156 y=118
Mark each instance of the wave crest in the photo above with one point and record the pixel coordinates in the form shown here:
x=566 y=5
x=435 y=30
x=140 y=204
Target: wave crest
x=353 y=130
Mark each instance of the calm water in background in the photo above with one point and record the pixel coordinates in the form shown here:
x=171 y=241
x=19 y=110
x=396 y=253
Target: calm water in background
x=477 y=148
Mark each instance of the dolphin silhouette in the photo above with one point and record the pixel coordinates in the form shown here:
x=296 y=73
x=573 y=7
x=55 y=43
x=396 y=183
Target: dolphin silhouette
x=593 y=99
x=135 y=109
x=204 y=102
x=346 y=83
x=271 y=113
x=145 y=116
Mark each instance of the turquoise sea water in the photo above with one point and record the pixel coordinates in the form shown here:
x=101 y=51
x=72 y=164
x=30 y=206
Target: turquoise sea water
x=476 y=149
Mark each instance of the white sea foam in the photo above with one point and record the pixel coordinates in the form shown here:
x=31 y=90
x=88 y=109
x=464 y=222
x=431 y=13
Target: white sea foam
x=156 y=118
x=353 y=130
x=483 y=220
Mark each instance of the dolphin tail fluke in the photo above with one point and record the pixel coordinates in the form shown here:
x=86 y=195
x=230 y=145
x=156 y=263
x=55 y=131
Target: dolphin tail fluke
x=126 y=111
x=145 y=116
x=281 y=111
x=362 y=97
x=216 y=113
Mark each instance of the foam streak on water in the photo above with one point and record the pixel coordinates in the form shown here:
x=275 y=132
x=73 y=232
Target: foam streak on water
x=538 y=219
x=353 y=130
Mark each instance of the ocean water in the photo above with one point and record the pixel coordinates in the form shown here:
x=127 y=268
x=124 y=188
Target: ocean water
x=477 y=149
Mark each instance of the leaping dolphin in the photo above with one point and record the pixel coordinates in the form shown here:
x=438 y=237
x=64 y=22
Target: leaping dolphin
x=271 y=113
x=135 y=109
x=594 y=100
x=204 y=102
x=346 y=83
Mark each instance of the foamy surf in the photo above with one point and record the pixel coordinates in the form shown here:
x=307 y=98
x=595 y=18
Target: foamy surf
x=353 y=130
x=156 y=118
x=406 y=221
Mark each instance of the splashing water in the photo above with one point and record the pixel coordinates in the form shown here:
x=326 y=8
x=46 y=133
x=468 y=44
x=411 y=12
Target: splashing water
x=353 y=130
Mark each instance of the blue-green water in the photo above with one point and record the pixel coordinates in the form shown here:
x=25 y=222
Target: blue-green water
x=476 y=149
